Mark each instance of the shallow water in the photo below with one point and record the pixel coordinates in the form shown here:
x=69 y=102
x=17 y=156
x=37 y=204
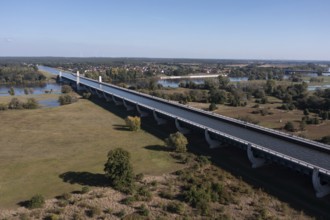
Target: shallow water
x=49 y=103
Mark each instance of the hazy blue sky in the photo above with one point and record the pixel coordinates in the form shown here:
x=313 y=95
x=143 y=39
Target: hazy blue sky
x=260 y=29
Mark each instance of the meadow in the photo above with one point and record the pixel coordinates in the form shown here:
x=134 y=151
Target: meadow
x=39 y=146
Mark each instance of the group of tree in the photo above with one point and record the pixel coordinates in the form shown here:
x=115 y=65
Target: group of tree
x=68 y=96
x=15 y=103
x=20 y=74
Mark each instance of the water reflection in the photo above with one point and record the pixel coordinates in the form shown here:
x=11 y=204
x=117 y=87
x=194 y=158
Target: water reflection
x=174 y=83
x=49 y=103
x=32 y=89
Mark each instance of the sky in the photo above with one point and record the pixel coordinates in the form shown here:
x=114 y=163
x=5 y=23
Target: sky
x=219 y=29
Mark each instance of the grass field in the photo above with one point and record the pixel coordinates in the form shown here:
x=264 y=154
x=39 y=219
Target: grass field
x=37 y=146
x=275 y=120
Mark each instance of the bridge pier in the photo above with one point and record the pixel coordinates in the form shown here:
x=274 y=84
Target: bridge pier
x=91 y=90
x=78 y=81
x=60 y=76
x=142 y=113
x=160 y=121
x=181 y=129
x=320 y=189
x=106 y=97
x=256 y=162
x=212 y=143
x=115 y=101
x=128 y=107
x=98 y=93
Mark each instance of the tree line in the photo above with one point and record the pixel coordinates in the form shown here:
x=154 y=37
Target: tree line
x=20 y=74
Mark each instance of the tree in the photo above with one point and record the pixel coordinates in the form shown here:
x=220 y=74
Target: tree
x=118 y=169
x=218 y=96
x=177 y=141
x=134 y=123
x=213 y=106
x=223 y=81
x=11 y=91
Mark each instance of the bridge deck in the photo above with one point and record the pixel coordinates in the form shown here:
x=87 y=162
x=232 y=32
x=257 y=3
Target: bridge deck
x=295 y=150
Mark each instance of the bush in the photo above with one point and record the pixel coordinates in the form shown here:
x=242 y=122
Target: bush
x=177 y=141
x=129 y=200
x=93 y=212
x=86 y=95
x=15 y=103
x=31 y=103
x=3 y=107
x=289 y=126
x=67 y=99
x=134 y=123
x=36 y=201
x=139 y=177
x=85 y=189
x=66 y=89
x=118 y=169
x=143 y=210
x=326 y=139
x=143 y=194
x=175 y=207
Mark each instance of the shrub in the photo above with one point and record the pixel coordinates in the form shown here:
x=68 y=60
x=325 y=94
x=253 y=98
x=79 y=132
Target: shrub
x=128 y=200
x=3 y=107
x=86 y=95
x=326 y=139
x=289 y=126
x=133 y=123
x=52 y=217
x=85 y=189
x=66 y=89
x=203 y=160
x=175 y=207
x=194 y=196
x=31 y=103
x=139 y=177
x=177 y=141
x=93 y=212
x=66 y=196
x=15 y=104
x=306 y=111
x=143 y=210
x=67 y=99
x=167 y=194
x=36 y=201
x=121 y=213
x=143 y=194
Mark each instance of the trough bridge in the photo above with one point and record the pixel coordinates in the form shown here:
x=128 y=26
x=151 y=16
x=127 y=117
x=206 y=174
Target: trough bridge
x=262 y=145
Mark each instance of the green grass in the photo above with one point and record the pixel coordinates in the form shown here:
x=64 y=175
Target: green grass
x=38 y=145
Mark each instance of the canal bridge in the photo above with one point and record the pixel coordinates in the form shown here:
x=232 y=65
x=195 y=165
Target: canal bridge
x=262 y=145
